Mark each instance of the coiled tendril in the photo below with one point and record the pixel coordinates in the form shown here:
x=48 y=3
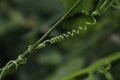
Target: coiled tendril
x=66 y=35
x=62 y=36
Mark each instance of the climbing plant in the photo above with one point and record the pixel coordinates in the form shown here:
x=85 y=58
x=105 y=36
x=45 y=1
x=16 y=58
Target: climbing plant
x=72 y=8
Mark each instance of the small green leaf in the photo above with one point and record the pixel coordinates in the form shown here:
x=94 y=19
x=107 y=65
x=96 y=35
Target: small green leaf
x=41 y=45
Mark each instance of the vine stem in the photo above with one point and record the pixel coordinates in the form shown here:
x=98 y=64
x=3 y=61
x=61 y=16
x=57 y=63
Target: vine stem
x=110 y=61
x=22 y=57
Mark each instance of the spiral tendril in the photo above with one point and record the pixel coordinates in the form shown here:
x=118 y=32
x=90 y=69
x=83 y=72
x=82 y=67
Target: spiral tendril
x=66 y=35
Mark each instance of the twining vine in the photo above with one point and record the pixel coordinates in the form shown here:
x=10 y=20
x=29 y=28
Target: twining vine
x=102 y=6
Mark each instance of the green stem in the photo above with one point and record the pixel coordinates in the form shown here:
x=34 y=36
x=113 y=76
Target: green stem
x=113 y=59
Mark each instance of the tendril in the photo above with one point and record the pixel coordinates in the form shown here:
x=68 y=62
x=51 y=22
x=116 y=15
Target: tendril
x=22 y=61
x=116 y=4
x=6 y=67
x=66 y=35
x=92 y=23
x=92 y=15
x=19 y=60
x=62 y=36
x=105 y=67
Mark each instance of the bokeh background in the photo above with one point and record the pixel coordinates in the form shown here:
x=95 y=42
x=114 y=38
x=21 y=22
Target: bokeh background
x=23 y=22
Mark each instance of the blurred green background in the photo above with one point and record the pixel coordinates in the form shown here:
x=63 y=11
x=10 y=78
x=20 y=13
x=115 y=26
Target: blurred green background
x=23 y=22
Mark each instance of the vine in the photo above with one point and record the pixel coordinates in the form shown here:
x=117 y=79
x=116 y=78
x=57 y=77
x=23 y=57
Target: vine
x=102 y=6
